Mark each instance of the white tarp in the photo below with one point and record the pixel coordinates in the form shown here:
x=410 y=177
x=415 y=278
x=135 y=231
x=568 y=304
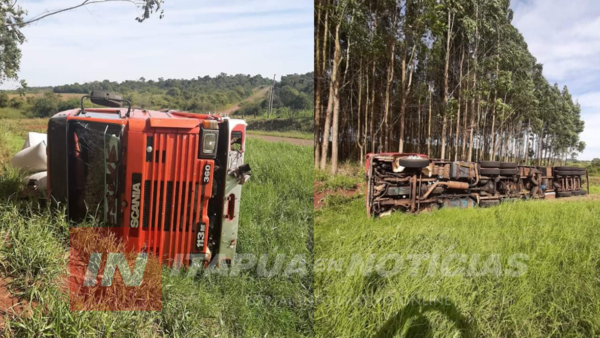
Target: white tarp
x=33 y=139
x=38 y=179
x=33 y=156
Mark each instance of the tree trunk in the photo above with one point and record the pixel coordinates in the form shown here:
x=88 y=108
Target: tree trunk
x=445 y=108
x=493 y=135
x=429 y=126
x=462 y=58
x=527 y=142
x=358 y=127
x=337 y=59
x=327 y=128
x=541 y=145
x=419 y=126
x=371 y=126
x=388 y=86
x=318 y=80
x=470 y=155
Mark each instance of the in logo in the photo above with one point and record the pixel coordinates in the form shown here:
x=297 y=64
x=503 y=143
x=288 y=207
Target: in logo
x=106 y=276
x=114 y=261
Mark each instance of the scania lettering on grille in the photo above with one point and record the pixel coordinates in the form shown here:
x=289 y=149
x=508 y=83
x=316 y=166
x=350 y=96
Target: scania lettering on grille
x=134 y=221
x=206 y=177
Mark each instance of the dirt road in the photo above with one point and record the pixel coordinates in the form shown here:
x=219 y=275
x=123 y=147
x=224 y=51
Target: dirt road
x=256 y=95
x=296 y=141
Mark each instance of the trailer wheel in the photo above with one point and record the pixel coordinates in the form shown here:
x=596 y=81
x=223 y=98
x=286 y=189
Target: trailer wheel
x=563 y=194
x=579 y=192
x=414 y=162
x=489 y=171
x=508 y=165
x=489 y=164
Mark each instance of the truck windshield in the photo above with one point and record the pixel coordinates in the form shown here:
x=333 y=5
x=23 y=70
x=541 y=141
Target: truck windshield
x=94 y=167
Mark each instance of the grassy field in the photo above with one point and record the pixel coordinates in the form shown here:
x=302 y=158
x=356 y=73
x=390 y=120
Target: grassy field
x=276 y=217
x=64 y=96
x=290 y=134
x=557 y=296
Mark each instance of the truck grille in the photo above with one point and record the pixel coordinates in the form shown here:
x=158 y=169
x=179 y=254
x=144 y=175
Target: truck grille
x=173 y=194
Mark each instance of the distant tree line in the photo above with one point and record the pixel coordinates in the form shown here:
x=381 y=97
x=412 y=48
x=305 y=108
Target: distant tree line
x=453 y=79
x=202 y=94
x=293 y=93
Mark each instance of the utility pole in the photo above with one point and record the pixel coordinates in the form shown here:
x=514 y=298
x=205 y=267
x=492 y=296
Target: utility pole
x=271 y=98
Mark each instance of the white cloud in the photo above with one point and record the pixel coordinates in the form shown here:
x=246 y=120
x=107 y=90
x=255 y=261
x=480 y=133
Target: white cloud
x=565 y=37
x=195 y=38
x=589 y=100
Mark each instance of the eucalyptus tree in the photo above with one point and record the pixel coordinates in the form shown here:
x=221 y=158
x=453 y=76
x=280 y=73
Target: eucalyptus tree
x=453 y=78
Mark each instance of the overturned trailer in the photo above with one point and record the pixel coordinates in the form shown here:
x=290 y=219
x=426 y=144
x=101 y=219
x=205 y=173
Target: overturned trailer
x=413 y=182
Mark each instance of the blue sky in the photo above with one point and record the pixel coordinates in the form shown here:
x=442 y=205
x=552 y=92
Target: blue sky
x=195 y=38
x=565 y=37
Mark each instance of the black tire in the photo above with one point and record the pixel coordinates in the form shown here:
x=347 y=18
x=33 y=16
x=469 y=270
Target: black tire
x=414 y=162
x=579 y=192
x=488 y=203
x=489 y=164
x=563 y=194
x=509 y=172
x=489 y=171
x=507 y=165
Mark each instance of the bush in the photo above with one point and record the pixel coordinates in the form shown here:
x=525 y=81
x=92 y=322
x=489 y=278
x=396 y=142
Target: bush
x=47 y=105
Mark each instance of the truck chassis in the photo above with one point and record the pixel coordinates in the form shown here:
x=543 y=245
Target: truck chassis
x=414 y=183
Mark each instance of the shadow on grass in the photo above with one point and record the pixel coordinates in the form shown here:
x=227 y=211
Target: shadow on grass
x=11 y=182
x=421 y=327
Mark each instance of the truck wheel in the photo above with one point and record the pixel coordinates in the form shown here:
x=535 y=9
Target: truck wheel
x=564 y=194
x=414 y=162
x=489 y=164
x=507 y=165
x=489 y=171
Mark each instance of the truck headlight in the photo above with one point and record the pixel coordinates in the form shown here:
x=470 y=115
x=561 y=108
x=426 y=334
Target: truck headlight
x=208 y=147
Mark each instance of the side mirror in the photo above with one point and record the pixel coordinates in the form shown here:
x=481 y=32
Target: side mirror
x=106 y=99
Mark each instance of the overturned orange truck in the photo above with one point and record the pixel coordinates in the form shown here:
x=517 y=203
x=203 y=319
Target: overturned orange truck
x=414 y=182
x=167 y=182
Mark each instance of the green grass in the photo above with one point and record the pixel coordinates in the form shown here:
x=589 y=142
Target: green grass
x=12 y=113
x=559 y=295
x=290 y=134
x=302 y=122
x=349 y=175
x=341 y=182
x=276 y=217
